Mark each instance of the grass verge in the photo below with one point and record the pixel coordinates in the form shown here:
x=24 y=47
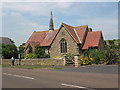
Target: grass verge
x=31 y=67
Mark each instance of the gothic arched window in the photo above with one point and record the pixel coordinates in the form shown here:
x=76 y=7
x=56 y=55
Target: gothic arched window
x=63 y=46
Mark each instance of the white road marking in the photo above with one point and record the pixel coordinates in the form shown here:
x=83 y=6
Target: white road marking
x=18 y=76
x=76 y=86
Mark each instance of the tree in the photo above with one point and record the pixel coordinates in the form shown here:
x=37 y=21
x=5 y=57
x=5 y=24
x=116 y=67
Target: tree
x=21 y=51
x=30 y=48
x=111 y=42
x=111 y=54
x=40 y=52
x=97 y=55
x=8 y=51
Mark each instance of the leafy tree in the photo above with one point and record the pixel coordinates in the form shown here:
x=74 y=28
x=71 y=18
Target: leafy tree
x=40 y=52
x=21 y=51
x=111 y=42
x=8 y=51
x=97 y=55
x=30 y=48
x=111 y=54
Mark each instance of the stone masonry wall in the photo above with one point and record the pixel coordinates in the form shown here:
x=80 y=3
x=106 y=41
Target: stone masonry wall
x=55 y=47
x=41 y=62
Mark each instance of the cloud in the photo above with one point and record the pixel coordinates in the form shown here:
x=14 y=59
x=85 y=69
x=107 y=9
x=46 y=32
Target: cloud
x=21 y=19
x=36 y=9
x=60 y=0
x=108 y=26
x=19 y=28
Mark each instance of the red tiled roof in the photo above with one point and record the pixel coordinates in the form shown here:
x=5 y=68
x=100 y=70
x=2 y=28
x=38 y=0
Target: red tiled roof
x=92 y=39
x=37 y=37
x=71 y=31
x=48 y=39
x=81 y=31
x=45 y=37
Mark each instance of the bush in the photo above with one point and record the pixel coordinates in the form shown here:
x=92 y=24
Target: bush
x=111 y=56
x=31 y=56
x=8 y=51
x=70 y=56
x=40 y=52
x=84 y=60
x=57 y=57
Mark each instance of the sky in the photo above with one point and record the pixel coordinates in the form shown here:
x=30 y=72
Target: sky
x=21 y=19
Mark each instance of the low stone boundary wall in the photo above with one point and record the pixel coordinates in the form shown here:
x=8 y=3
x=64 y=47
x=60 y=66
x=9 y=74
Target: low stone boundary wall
x=41 y=62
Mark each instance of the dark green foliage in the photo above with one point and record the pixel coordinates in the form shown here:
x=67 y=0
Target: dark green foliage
x=30 y=48
x=31 y=56
x=97 y=55
x=111 y=42
x=21 y=51
x=40 y=52
x=70 y=56
x=111 y=54
x=8 y=51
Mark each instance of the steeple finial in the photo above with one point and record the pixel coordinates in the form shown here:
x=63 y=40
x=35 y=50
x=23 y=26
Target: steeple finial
x=51 y=26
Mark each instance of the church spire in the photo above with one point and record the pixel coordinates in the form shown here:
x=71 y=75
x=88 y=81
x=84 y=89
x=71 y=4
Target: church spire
x=51 y=26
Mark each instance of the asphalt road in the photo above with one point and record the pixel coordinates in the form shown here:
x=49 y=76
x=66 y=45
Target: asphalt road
x=42 y=78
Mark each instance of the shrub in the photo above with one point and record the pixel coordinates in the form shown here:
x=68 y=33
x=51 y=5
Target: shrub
x=31 y=56
x=57 y=57
x=70 y=56
x=40 y=52
x=97 y=55
x=84 y=60
x=111 y=56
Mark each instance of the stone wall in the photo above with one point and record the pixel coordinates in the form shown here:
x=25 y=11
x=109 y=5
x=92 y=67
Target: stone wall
x=42 y=62
x=71 y=44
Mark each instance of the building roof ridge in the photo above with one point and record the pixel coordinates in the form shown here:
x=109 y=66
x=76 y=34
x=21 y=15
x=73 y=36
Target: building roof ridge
x=81 y=26
x=67 y=25
x=43 y=31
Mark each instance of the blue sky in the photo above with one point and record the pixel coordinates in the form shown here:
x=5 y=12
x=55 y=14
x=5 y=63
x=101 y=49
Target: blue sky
x=21 y=19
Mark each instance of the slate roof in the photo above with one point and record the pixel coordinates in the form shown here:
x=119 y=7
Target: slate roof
x=5 y=40
x=45 y=38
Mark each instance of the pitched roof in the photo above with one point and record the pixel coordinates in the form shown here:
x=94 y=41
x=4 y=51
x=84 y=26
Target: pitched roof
x=71 y=31
x=48 y=39
x=45 y=38
x=77 y=32
x=36 y=37
x=5 y=40
x=81 y=31
x=92 y=39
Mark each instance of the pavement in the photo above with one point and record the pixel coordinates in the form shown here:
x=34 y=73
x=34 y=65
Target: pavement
x=90 y=77
x=105 y=69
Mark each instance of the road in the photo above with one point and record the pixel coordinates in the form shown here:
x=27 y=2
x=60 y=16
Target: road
x=43 y=78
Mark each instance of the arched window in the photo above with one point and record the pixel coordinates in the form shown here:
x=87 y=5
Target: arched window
x=63 y=46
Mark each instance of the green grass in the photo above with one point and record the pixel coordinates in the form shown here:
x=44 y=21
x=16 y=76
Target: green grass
x=31 y=67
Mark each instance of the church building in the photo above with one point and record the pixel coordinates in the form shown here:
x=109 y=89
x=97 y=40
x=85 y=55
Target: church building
x=66 y=39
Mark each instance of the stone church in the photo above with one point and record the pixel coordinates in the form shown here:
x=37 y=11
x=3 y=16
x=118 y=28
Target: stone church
x=66 y=39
